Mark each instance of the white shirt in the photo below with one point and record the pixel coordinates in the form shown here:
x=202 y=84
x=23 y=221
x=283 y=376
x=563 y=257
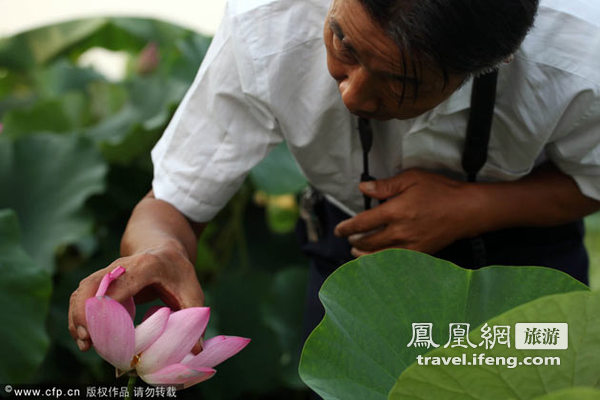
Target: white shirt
x=264 y=80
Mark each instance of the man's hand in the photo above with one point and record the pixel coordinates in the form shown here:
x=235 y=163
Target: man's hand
x=158 y=249
x=162 y=273
x=424 y=212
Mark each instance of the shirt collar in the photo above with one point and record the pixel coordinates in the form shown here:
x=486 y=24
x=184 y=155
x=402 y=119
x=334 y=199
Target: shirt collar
x=458 y=101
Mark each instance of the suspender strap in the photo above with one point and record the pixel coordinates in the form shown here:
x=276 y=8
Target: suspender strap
x=483 y=97
x=366 y=142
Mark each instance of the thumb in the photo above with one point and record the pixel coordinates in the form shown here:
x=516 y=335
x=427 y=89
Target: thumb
x=384 y=188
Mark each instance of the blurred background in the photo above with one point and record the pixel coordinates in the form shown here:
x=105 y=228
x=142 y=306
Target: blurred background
x=86 y=89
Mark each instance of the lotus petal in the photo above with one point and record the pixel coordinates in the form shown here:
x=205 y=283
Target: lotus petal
x=111 y=330
x=216 y=350
x=178 y=374
x=107 y=280
x=183 y=330
x=151 y=311
x=148 y=331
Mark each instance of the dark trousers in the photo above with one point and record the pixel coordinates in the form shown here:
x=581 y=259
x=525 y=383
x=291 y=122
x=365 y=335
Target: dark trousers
x=559 y=247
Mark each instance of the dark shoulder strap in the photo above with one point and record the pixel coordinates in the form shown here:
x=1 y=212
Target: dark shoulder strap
x=366 y=142
x=483 y=98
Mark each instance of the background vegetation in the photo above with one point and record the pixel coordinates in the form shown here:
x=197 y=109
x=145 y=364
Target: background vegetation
x=74 y=160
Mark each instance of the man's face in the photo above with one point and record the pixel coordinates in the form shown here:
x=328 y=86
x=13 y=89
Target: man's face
x=368 y=67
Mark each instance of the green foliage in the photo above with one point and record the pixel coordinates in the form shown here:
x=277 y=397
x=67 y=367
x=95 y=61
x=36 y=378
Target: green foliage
x=576 y=393
x=579 y=365
x=36 y=47
x=25 y=290
x=360 y=347
x=46 y=180
x=74 y=160
x=268 y=309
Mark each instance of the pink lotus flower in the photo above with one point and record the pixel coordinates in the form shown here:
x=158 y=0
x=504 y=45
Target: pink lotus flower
x=159 y=349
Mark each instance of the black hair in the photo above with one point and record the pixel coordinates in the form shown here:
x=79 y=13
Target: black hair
x=458 y=36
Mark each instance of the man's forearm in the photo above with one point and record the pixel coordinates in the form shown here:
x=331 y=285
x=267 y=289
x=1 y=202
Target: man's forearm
x=546 y=197
x=156 y=224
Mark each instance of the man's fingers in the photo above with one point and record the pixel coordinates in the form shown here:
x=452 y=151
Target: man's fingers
x=357 y=253
x=364 y=222
x=375 y=240
x=77 y=318
x=385 y=188
x=121 y=289
x=83 y=345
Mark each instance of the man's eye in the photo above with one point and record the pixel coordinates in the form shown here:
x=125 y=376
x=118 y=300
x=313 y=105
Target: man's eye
x=343 y=53
x=337 y=43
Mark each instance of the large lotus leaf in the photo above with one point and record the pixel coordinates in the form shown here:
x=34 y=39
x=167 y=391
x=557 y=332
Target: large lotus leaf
x=48 y=116
x=135 y=128
x=579 y=364
x=576 y=393
x=360 y=347
x=278 y=173
x=25 y=290
x=46 y=179
x=61 y=82
x=58 y=115
x=63 y=76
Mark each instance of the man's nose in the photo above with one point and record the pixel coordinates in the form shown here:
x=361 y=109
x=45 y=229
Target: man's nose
x=356 y=92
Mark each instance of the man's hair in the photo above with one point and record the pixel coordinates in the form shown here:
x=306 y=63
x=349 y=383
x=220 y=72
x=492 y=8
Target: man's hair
x=460 y=36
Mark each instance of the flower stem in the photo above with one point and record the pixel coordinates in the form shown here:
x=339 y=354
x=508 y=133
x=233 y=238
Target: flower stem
x=130 y=384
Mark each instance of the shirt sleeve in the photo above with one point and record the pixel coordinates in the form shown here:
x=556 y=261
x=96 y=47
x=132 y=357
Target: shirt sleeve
x=575 y=145
x=222 y=128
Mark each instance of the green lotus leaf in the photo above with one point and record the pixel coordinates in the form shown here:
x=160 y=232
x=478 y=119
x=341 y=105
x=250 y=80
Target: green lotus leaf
x=576 y=393
x=25 y=290
x=59 y=115
x=134 y=129
x=578 y=365
x=46 y=179
x=63 y=76
x=360 y=347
